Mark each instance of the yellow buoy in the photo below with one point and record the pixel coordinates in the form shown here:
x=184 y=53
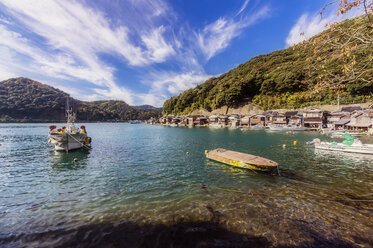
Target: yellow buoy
x=294 y=142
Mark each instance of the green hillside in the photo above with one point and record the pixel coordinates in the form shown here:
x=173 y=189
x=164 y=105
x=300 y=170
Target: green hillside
x=28 y=100
x=338 y=61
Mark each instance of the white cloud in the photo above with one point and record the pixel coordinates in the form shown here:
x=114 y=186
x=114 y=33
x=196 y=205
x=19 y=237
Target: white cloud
x=157 y=47
x=243 y=7
x=310 y=25
x=216 y=36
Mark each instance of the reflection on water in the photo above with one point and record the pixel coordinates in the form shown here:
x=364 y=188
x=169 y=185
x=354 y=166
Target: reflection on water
x=72 y=160
x=103 y=199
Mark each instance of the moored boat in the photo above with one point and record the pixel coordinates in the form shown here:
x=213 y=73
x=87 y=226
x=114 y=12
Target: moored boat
x=69 y=137
x=242 y=160
x=348 y=145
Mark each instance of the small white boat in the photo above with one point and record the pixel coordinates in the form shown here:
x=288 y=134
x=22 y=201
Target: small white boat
x=348 y=145
x=257 y=127
x=69 y=137
x=277 y=128
x=135 y=122
x=294 y=128
x=173 y=125
x=216 y=125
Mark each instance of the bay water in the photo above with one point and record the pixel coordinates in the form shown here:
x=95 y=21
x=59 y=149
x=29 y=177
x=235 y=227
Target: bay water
x=143 y=185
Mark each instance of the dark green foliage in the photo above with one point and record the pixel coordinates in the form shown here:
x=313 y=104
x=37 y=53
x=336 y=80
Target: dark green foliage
x=28 y=100
x=305 y=74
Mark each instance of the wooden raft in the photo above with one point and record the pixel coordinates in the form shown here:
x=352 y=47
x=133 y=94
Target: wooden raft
x=242 y=160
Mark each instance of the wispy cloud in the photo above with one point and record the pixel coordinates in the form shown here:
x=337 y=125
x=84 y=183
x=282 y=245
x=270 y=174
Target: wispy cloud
x=216 y=36
x=310 y=25
x=244 y=5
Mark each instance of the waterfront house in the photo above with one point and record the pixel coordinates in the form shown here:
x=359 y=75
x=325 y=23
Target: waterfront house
x=213 y=119
x=257 y=120
x=269 y=116
x=245 y=120
x=279 y=120
x=337 y=120
x=234 y=120
x=360 y=121
x=200 y=121
x=176 y=120
x=223 y=120
x=295 y=120
x=314 y=118
x=191 y=120
x=183 y=122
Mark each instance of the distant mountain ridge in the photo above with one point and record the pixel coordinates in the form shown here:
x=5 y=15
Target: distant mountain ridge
x=337 y=62
x=23 y=99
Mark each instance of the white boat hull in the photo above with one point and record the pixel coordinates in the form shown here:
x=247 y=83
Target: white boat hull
x=68 y=142
x=363 y=149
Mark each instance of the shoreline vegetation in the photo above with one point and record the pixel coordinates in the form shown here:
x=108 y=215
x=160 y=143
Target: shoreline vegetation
x=26 y=100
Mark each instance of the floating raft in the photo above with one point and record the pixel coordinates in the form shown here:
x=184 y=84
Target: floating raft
x=242 y=160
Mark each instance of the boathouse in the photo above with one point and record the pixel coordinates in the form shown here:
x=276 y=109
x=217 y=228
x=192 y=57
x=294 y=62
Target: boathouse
x=223 y=120
x=360 y=121
x=234 y=120
x=257 y=120
x=245 y=120
x=279 y=120
x=213 y=119
x=314 y=118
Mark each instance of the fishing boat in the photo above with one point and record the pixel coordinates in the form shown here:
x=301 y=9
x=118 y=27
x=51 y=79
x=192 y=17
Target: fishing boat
x=257 y=127
x=242 y=160
x=287 y=128
x=350 y=144
x=216 y=125
x=68 y=137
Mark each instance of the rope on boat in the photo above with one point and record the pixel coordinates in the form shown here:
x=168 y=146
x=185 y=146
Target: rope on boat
x=203 y=186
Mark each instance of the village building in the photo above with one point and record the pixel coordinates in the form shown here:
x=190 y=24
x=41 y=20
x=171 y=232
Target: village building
x=279 y=120
x=257 y=120
x=213 y=119
x=314 y=118
x=176 y=120
x=191 y=119
x=269 y=116
x=360 y=121
x=337 y=120
x=166 y=120
x=245 y=121
x=234 y=120
x=201 y=121
x=223 y=120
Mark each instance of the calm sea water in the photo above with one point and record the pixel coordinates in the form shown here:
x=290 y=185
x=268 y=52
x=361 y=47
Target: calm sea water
x=105 y=199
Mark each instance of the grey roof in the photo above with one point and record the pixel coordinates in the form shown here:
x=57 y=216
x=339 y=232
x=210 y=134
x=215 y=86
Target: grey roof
x=342 y=122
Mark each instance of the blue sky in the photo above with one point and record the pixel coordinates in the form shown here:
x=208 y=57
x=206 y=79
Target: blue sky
x=144 y=51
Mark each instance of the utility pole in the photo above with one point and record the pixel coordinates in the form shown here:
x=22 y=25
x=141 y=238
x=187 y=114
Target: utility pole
x=338 y=102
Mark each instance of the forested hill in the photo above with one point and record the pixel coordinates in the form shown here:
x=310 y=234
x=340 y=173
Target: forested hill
x=338 y=61
x=28 y=100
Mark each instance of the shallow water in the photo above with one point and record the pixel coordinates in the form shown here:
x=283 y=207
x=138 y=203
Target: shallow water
x=105 y=198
